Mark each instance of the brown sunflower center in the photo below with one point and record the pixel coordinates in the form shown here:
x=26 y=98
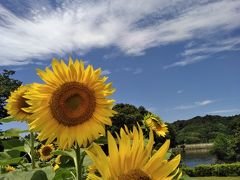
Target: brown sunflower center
x=159 y=127
x=46 y=151
x=136 y=174
x=72 y=104
x=23 y=103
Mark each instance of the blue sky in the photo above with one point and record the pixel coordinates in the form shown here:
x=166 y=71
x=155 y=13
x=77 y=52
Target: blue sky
x=179 y=59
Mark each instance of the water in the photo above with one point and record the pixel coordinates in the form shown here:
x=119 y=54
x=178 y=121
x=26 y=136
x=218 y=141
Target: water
x=194 y=158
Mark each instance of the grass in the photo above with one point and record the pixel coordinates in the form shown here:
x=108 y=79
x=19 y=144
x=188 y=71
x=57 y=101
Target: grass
x=214 y=178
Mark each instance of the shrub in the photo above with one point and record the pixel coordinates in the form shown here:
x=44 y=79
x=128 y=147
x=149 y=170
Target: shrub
x=214 y=170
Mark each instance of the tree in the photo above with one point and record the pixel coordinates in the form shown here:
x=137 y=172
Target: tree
x=236 y=143
x=128 y=115
x=223 y=148
x=7 y=85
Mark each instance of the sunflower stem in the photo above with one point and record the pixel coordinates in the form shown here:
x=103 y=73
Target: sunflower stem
x=32 y=139
x=78 y=163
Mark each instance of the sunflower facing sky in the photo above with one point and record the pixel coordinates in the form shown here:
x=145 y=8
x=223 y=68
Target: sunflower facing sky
x=131 y=160
x=156 y=124
x=16 y=104
x=45 y=152
x=72 y=105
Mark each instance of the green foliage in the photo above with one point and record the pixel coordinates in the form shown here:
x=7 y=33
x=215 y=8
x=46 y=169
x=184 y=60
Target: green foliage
x=7 y=85
x=36 y=174
x=128 y=115
x=7 y=119
x=214 y=170
x=227 y=147
x=171 y=135
x=204 y=129
x=13 y=132
x=223 y=147
x=64 y=173
x=236 y=144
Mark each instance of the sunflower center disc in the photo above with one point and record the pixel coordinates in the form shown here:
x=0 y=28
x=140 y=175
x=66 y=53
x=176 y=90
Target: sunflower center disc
x=136 y=174
x=72 y=104
x=23 y=104
x=46 y=151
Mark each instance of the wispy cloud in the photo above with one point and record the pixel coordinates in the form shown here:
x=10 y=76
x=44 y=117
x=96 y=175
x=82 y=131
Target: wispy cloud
x=106 y=72
x=224 y=111
x=195 y=105
x=152 y=109
x=138 y=71
x=194 y=53
x=35 y=29
x=180 y=91
x=132 y=70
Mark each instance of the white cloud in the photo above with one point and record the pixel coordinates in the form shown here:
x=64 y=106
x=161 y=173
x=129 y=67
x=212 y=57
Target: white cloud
x=204 y=103
x=132 y=26
x=106 y=72
x=194 y=52
x=195 y=105
x=224 y=111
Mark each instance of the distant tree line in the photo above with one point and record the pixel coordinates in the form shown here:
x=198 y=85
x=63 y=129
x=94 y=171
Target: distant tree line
x=203 y=129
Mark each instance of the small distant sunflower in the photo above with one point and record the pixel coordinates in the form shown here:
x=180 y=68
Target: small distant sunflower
x=156 y=124
x=58 y=159
x=17 y=103
x=9 y=168
x=131 y=160
x=57 y=162
x=45 y=152
x=56 y=167
x=72 y=104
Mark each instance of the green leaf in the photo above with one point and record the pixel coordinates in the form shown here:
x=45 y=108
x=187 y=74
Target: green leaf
x=7 y=119
x=11 y=143
x=10 y=161
x=101 y=140
x=36 y=174
x=19 y=148
x=66 y=161
x=13 y=132
x=4 y=155
x=63 y=173
x=39 y=175
x=64 y=153
x=13 y=153
x=27 y=149
x=168 y=154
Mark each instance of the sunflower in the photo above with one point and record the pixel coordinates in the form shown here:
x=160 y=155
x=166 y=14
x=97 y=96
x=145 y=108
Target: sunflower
x=17 y=103
x=58 y=159
x=45 y=152
x=155 y=123
x=56 y=167
x=57 y=162
x=72 y=105
x=131 y=160
x=9 y=168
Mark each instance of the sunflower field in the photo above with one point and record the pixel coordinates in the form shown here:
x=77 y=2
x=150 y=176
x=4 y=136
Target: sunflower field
x=67 y=138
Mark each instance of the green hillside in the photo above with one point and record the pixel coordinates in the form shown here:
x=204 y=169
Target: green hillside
x=196 y=130
x=204 y=129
